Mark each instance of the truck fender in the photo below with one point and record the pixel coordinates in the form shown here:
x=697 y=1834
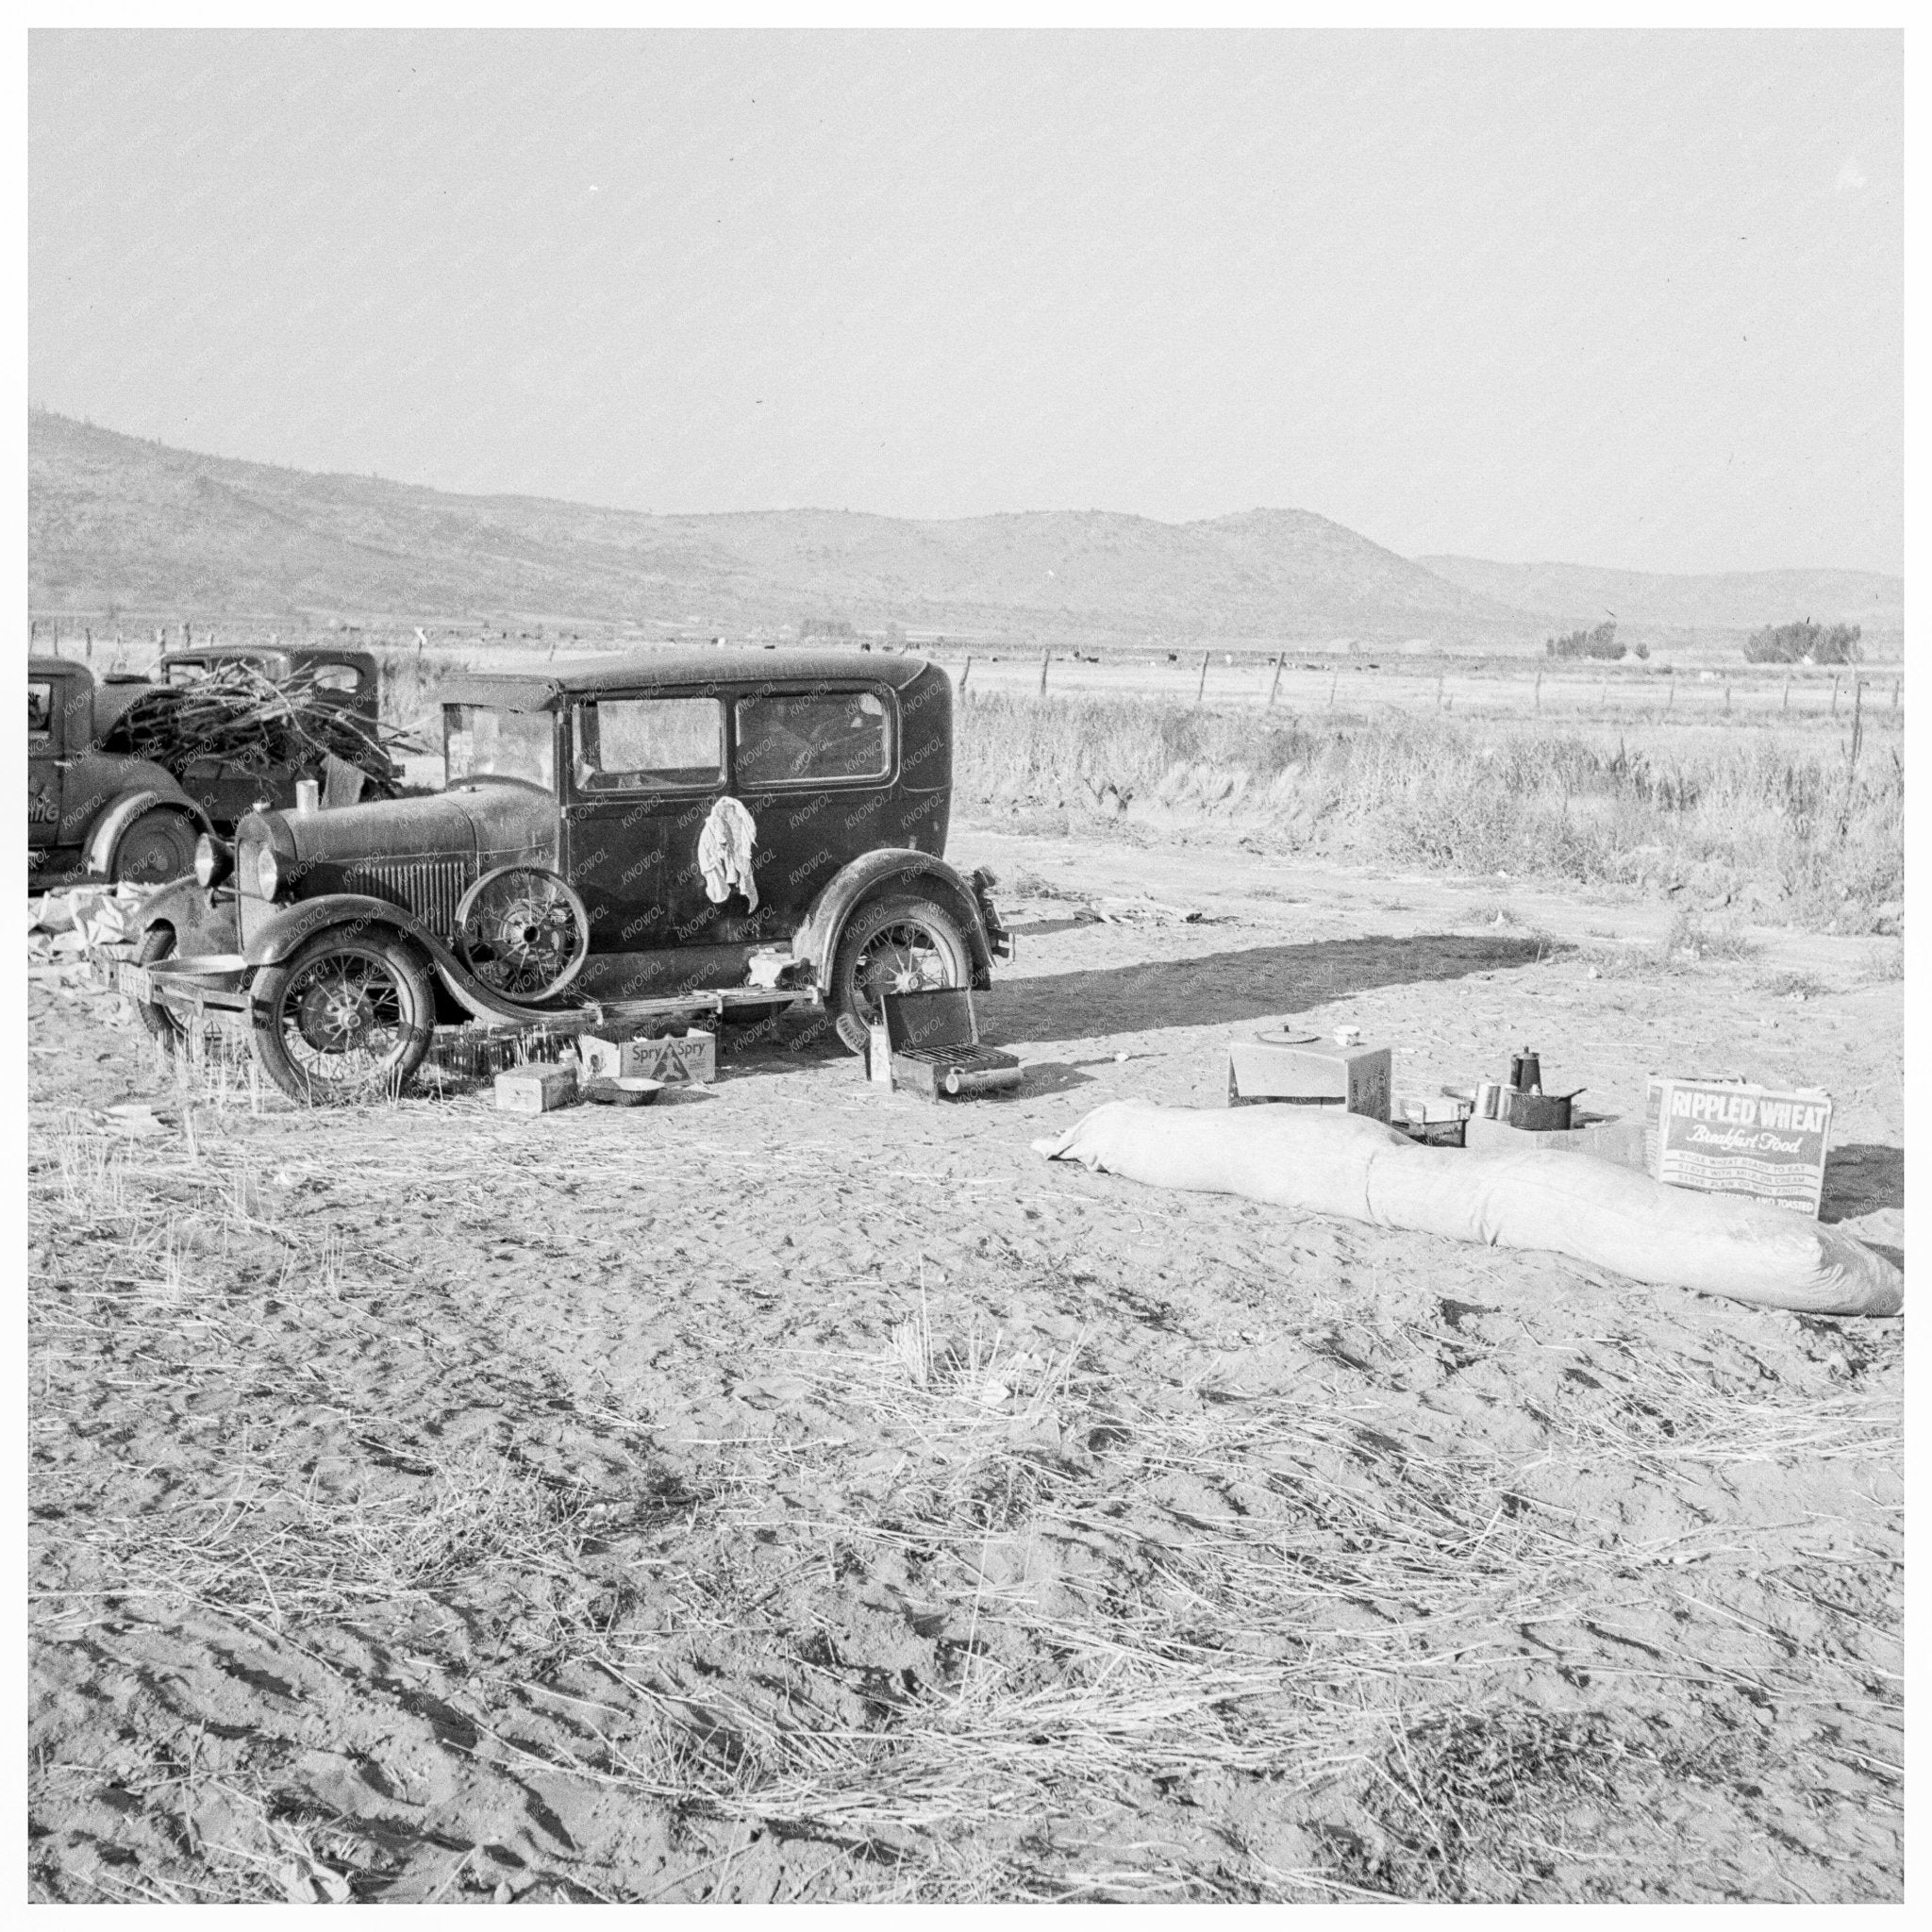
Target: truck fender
x=817 y=940
x=104 y=835
x=293 y=925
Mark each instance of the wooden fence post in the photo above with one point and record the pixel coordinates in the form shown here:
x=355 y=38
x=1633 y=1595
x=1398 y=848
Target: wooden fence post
x=1275 y=684
x=1672 y=688
x=1439 y=676
x=966 y=674
x=1834 y=694
x=1332 y=683
x=1538 y=689
x=1727 y=697
x=1895 y=683
x=1046 y=659
x=1200 y=689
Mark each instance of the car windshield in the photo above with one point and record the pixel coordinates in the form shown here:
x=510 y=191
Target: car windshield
x=481 y=741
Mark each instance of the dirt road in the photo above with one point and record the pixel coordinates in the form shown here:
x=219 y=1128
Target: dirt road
x=797 y=1493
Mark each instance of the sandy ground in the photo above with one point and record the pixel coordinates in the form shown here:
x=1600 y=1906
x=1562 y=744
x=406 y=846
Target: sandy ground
x=793 y=1491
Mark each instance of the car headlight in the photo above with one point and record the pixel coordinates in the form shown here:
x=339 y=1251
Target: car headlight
x=268 y=873
x=214 y=861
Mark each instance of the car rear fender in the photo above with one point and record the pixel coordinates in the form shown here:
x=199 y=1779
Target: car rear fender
x=889 y=871
x=104 y=835
x=294 y=925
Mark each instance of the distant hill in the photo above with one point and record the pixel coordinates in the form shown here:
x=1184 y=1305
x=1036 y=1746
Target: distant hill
x=1575 y=594
x=117 y=521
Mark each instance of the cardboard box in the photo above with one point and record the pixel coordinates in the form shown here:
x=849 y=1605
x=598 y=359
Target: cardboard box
x=1730 y=1136
x=535 y=1090
x=1618 y=1141
x=1313 y=1073
x=667 y=1057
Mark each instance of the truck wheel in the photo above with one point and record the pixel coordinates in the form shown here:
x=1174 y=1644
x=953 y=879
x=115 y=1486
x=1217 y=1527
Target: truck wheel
x=346 y=1019
x=157 y=942
x=156 y=847
x=902 y=945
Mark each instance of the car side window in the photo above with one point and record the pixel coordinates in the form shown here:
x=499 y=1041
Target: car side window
x=645 y=744
x=811 y=737
x=40 y=715
x=338 y=677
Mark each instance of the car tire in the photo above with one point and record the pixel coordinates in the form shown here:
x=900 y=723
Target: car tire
x=156 y=847
x=346 y=1019
x=931 y=952
x=157 y=942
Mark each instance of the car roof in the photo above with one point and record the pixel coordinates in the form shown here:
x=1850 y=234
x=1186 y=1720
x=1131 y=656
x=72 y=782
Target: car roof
x=541 y=692
x=57 y=666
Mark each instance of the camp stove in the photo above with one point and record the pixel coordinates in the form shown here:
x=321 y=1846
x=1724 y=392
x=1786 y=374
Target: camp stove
x=928 y=1043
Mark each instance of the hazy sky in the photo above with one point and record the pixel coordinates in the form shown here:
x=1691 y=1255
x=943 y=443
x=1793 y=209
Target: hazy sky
x=1629 y=299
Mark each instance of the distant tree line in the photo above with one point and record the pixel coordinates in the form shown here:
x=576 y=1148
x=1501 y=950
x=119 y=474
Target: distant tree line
x=1600 y=643
x=1804 y=643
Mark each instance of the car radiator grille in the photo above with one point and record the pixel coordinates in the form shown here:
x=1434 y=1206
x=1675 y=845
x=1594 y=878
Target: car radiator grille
x=430 y=888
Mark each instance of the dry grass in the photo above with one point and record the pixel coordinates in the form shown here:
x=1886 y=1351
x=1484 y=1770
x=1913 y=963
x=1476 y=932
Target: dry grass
x=1781 y=814
x=1130 y=1606
x=1691 y=942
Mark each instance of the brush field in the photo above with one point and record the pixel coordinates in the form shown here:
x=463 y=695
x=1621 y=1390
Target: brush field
x=792 y=1492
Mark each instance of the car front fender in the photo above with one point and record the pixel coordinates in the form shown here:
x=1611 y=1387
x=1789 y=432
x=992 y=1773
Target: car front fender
x=203 y=921
x=817 y=940
x=104 y=835
x=290 y=927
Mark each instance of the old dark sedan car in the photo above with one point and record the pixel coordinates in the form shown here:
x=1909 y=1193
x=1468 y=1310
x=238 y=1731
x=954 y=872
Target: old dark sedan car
x=635 y=832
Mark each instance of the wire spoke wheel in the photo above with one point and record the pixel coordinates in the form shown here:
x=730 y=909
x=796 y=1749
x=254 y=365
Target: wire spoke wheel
x=903 y=958
x=896 y=945
x=158 y=944
x=524 y=932
x=346 y=1019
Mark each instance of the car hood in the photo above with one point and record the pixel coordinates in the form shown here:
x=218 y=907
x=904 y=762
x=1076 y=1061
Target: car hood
x=471 y=822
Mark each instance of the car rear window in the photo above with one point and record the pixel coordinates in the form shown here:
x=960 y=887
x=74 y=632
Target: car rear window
x=481 y=741
x=40 y=713
x=811 y=737
x=642 y=744
x=338 y=677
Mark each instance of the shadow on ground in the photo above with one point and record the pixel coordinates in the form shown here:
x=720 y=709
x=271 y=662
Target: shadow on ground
x=1862 y=1180
x=1221 y=989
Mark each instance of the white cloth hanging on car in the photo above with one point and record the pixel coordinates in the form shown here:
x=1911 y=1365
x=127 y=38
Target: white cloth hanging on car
x=724 y=853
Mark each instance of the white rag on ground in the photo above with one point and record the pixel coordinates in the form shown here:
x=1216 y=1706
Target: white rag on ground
x=724 y=853
x=1595 y=1211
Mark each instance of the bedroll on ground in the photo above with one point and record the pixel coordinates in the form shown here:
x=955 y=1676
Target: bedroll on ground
x=1592 y=1211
